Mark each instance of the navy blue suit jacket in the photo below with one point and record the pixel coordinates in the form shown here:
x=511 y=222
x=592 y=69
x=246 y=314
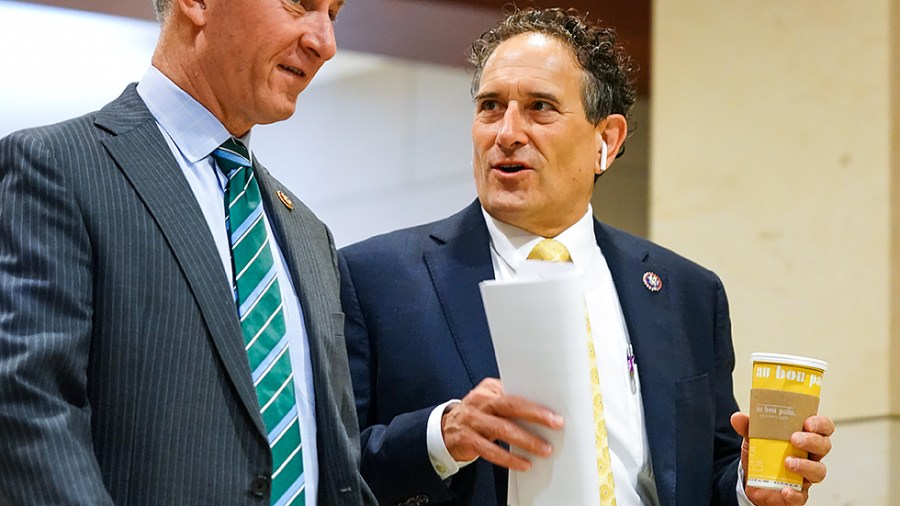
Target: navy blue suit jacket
x=417 y=336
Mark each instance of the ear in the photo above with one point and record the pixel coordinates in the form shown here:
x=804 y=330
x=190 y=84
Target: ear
x=612 y=130
x=194 y=10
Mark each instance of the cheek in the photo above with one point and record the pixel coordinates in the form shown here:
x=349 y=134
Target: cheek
x=483 y=136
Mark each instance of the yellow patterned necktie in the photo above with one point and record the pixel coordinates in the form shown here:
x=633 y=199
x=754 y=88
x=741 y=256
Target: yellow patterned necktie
x=552 y=250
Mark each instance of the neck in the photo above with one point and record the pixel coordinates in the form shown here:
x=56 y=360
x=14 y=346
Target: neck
x=179 y=58
x=547 y=230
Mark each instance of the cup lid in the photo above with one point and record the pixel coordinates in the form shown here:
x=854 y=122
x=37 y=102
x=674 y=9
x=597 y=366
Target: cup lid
x=780 y=358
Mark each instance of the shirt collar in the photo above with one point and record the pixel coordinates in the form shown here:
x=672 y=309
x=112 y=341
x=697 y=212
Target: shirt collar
x=195 y=131
x=512 y=244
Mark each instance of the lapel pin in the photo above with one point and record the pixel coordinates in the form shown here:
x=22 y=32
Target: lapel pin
x=652 y=282
x=287 y=201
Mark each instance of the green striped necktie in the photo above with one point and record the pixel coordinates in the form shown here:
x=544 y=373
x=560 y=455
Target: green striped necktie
x=261 y=311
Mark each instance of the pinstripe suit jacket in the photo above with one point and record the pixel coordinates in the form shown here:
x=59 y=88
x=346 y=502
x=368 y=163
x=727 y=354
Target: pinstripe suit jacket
x=123 y=377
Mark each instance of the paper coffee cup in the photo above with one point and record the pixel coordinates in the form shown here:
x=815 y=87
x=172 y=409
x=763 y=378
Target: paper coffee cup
x=784 y=393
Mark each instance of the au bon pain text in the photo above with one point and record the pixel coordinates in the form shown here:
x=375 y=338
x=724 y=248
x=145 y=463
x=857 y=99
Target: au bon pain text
x=780 y=373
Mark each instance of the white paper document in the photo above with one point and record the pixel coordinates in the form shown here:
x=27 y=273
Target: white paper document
x=537 y=324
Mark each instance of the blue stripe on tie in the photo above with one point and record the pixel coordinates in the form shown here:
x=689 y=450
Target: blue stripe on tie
x=292 y=491
x=257 y=292
x=232 y=156
x=243 y=190
x=283 y=424
x=235 y=172
x=251 y=219
x=276 y=350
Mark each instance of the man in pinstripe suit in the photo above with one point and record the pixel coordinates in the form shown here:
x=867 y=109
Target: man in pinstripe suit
x=124 y=377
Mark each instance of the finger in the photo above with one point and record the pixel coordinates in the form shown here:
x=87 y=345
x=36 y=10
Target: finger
x=459 y=437
x=741 y=424
x=484 y=393
x=818 y=424
x=465 y=443
x=794 y=498
x=495 y=428
x=492 y=385
x=469 y=432
x=816 y=445
x=810 y=470
x=512 y=406
x=495 y=454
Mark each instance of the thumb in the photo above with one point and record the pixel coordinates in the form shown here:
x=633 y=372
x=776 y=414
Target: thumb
x=741 y=424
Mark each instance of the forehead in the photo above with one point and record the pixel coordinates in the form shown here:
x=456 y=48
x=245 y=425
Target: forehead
x=532 y=56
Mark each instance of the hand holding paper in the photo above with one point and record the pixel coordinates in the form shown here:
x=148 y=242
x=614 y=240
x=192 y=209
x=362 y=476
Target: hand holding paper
x=537 y=325
x=486 y=415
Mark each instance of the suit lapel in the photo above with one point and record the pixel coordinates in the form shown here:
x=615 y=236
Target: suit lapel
x=306 y=261
x=647 y=315
x=143 y=156
x=459 y=260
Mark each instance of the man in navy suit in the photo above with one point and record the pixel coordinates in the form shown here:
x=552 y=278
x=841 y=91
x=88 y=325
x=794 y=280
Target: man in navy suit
x=552 y=92
x=127 y=375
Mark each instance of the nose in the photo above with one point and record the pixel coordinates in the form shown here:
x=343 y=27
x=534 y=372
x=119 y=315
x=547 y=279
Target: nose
x=512 y=129
x=319 y=38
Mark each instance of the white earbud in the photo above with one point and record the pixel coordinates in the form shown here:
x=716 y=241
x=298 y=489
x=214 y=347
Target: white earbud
x=603 y=153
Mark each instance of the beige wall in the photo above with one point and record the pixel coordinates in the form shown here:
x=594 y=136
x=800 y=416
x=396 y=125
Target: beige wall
x=621 y=194
x=773 y=153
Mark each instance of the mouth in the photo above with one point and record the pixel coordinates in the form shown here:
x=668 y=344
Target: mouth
x=293 y=70
x=510 y=167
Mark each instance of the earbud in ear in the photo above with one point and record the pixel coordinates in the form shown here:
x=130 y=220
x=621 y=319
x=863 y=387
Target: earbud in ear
x=603 y=153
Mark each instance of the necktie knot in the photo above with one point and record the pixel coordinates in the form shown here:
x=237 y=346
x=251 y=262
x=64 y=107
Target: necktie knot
x=231 y=155
x=550 y=250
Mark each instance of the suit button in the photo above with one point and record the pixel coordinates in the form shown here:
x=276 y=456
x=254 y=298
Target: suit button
x=418 y=500
x=259 y=486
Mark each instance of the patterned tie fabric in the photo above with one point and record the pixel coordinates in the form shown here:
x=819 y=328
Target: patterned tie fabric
x=554 y=251
x=260 y=309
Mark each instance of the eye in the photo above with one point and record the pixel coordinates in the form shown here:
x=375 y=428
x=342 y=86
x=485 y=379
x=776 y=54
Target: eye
x=303 y=6
x=542 y=106
x=488 y=105
x=298 y=5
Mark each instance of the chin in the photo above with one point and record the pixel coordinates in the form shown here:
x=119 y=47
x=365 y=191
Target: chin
x=279 y=113
x=504 y=205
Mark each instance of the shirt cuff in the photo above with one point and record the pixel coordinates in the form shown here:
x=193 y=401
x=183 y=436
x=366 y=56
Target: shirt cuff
x=440 y=457
x=741 y=493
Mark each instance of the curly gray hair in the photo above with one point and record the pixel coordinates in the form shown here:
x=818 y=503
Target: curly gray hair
x=608 y=86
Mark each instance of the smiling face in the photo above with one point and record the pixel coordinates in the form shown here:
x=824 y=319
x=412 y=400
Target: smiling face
x=535 y=152
x=260 y=54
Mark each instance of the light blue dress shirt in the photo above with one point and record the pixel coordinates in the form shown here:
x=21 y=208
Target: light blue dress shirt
x=192 y=133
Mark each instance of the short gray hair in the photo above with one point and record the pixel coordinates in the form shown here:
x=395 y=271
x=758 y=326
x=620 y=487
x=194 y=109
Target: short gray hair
x=162 y=8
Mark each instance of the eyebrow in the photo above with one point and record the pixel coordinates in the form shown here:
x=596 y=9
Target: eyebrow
x=535 y=94
x=545 y=96
x=486 y=96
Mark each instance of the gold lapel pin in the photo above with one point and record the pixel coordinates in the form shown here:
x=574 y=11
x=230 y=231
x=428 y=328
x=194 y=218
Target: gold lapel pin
x=285 y=200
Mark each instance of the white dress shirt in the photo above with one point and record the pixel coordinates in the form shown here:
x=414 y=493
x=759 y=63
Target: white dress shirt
x=623 y=408
x=624 y=412
x=193 y=133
